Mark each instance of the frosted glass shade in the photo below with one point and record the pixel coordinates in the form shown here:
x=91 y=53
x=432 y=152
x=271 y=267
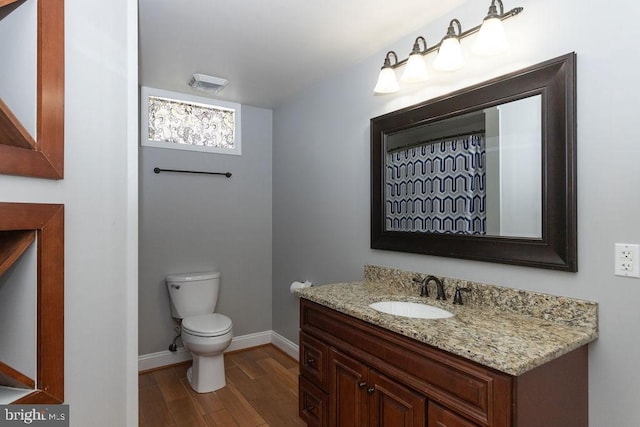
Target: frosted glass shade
x=416 y=69
x=387 y=82
x=491 y=39
x=449 y=55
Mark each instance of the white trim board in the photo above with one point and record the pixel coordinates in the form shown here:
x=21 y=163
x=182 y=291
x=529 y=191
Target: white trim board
x=289 y=347
x=166 y=358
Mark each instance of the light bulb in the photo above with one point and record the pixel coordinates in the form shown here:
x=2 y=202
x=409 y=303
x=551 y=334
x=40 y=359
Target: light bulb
x=416 y=69
x=449 y=55
x=387 y=82
x=491 y=39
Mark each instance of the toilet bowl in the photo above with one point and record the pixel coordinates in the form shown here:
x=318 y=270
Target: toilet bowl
x=207 y=336
x=204 y=333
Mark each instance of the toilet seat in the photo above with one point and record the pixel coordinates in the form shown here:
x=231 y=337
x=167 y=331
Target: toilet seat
x=207 y=325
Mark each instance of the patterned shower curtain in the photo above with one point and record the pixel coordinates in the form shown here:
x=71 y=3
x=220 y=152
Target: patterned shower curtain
x=437 y=187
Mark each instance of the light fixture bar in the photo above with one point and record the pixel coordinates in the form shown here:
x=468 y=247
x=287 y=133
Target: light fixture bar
x=513 y=12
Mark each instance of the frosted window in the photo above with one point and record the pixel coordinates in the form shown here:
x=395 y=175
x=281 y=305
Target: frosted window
x=185 y=122
x=191 y=123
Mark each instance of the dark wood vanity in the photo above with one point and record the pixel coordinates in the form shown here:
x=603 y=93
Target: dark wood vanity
x=354 y=373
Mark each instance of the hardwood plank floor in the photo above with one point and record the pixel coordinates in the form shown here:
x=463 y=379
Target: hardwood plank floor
x=261 y=390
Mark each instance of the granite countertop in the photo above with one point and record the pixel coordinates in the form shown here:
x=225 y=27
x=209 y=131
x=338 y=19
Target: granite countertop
x=503 y=339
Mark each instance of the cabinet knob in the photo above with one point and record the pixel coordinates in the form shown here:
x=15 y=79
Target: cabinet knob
x=310 y=408
x=370 y=390
x=311 y=361
x=362 y=384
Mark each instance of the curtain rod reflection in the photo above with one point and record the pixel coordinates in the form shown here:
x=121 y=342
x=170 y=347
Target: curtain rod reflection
x=158 y=170
x=437 y=139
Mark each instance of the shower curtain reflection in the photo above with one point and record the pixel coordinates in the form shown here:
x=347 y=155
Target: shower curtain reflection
x=437 y=186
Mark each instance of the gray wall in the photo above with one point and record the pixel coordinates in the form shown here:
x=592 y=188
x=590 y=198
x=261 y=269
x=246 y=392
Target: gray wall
x=199 y=222
x=321 y=180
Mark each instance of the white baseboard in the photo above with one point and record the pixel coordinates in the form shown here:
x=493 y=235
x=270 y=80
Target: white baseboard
x=250 y=340
x=162 y=358
x=166 y=358
x=285 y=345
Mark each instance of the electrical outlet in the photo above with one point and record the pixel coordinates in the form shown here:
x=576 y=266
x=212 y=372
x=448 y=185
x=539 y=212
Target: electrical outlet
x=627 y=260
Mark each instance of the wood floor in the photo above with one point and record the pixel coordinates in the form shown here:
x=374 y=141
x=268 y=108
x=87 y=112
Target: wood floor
x=261 y=390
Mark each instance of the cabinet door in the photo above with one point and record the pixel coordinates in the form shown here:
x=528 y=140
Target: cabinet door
x=348 y=398
x=441 y=417
x=393 y=405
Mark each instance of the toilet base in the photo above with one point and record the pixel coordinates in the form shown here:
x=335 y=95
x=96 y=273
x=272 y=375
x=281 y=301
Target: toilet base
x=207 y=373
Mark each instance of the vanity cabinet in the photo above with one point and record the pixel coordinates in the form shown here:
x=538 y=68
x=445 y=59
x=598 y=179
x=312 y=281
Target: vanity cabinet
x=354 y=373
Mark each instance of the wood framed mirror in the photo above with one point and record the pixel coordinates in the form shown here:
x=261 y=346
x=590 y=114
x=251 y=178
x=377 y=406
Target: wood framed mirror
x=21 y=225
x=485 y=173
x=21 y=153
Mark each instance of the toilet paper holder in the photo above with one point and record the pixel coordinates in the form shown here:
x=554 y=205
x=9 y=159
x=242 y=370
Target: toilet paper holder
x=300 y=285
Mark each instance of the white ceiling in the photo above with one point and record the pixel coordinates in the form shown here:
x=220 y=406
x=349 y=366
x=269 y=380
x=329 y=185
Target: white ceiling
x=269 y=49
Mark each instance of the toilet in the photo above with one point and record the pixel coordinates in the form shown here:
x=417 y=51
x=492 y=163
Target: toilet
x=204 y=333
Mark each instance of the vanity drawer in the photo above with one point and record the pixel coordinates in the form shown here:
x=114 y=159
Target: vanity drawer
x=313 y=404
x=314 y=360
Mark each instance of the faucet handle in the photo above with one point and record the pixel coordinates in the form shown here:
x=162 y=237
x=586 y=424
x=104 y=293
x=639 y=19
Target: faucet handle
x=457 y=297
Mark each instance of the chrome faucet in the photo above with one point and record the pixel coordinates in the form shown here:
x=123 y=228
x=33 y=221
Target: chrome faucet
x=424 y=290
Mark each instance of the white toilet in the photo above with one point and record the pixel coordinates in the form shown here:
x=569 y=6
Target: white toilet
x=204 y=333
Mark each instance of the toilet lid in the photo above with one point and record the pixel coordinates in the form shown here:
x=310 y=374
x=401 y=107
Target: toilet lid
x=207 y=325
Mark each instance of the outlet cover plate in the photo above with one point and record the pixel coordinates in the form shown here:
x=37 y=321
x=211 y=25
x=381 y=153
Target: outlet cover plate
x=627 y=260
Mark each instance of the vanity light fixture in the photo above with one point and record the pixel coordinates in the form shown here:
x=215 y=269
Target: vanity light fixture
x=416 y=69
x=387 y=82
x=490 y=40
x=450 y=53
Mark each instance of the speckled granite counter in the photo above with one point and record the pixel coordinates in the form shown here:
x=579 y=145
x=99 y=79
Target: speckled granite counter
x=509 y=330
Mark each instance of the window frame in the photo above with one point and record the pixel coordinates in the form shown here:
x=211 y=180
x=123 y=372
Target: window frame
x=146 y=92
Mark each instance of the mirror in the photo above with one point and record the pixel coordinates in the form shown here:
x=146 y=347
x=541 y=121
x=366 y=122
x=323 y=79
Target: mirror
x=485 y=173
x=477 y=173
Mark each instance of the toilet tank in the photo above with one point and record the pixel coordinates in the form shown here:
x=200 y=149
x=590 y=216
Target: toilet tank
x=193 y=293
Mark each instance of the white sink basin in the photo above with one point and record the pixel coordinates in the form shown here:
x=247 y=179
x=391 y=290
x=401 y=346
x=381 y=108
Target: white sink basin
x=411 y=309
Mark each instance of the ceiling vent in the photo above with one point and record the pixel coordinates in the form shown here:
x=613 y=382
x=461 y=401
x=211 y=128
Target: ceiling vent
x=205 y=83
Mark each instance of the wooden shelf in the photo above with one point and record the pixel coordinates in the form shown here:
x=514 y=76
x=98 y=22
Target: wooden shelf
x=10 y=377
x=4 y=3
x=12 y=246
x=42 y=154
x=46 y=221
x=12 y=131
